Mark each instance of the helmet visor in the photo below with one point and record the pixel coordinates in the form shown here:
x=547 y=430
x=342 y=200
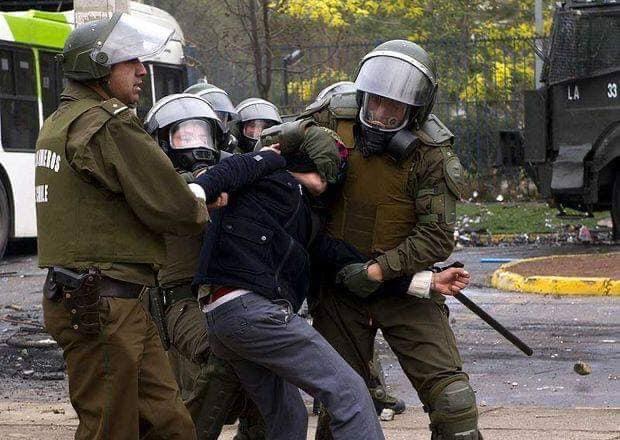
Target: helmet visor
x=192 y=133
x=253 y=129
x=219 y=101
x=395 y=79
x=131 y=38
x=383 y=113
x=175 y=108
x=339 y=87
x=259 y=110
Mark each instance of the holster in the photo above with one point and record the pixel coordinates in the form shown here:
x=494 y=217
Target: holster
x=156 y=309
x=80 y=295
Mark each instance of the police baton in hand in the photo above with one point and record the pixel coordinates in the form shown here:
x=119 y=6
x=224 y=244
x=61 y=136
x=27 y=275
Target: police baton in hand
x=514 y=339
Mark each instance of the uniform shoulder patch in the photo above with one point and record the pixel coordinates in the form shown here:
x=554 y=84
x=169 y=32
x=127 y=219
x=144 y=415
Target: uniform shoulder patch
x=453 y=171
x=114 y=106
x=435 y=133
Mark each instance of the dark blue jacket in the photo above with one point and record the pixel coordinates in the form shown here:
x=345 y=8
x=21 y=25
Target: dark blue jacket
x=258 y=242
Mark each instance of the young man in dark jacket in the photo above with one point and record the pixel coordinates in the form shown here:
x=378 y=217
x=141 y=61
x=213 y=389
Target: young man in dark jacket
x=254 y=275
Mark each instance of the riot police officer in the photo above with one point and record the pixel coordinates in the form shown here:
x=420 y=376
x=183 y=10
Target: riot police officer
x=188 y=130
x=224 y=109
x=402 y=225
x=255 y=115
x=101 y=229
x=376 y=384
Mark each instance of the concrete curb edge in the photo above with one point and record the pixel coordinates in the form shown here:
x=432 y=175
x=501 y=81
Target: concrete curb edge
x=504 y=279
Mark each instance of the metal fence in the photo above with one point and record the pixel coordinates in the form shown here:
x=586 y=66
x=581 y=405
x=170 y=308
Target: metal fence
x=481 y=85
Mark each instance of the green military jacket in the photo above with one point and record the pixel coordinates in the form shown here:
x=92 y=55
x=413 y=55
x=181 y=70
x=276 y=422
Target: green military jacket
x=400 y=214
x=105 y=191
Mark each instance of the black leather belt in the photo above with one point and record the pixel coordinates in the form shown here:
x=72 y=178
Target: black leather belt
x=177 y=293
x=118 y=289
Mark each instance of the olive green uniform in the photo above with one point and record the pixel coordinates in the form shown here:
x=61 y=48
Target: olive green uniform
x=402 y=215
x=106 y=195
x=209 y=387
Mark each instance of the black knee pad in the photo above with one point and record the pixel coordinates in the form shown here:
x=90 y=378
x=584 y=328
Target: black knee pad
x=453 y=411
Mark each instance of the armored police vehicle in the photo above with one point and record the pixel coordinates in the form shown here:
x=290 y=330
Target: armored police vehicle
x=570 y=144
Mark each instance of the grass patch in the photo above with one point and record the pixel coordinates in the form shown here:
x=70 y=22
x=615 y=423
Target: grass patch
x=518 y=218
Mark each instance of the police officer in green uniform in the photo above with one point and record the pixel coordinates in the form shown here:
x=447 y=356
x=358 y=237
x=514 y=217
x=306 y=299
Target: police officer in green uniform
x=397 y=206
x=377 y=386
x=109 y=195
x=188 y=130
x=254 y=116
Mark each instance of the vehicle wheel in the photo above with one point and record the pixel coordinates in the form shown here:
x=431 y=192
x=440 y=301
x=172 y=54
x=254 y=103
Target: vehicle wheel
x=615 y=208
x=5 y=219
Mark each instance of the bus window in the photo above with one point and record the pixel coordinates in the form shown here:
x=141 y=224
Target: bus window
x=24 y=73
x=7 y=84
x=51 y=82
x=20 y=124
x=168 y=80
x=19 y=119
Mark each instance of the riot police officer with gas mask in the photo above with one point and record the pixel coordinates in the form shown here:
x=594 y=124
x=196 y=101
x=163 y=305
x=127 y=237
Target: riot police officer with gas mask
x=189 y=131
x=255 y=115
x=397 y=207
x=224 y=109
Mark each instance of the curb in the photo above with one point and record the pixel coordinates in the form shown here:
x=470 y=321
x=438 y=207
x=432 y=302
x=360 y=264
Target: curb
x=504 y=279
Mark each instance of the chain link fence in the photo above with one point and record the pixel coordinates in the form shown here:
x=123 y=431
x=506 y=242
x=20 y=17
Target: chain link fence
x=480 y=91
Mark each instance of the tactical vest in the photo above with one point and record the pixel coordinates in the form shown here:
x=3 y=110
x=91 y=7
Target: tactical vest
x=80 y=224
x=375 y=211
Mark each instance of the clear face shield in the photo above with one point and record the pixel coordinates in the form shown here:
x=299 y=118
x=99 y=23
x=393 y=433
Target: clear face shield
x=131 y=38
x=253 y=129
x=384 y=114
x=192 y=133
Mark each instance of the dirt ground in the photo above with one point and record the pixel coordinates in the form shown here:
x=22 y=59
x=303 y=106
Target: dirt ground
x=593 y=265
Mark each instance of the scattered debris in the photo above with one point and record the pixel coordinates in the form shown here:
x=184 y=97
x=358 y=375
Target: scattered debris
x=387 y=414
x=54 y=411
x=15 y=307
x=584 y=235
x=582 y=368
x=40 y=340
x=49 y=375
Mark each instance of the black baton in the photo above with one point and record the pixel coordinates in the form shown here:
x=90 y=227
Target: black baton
x=493 y=323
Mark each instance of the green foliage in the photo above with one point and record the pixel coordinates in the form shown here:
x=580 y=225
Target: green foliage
x=517 y=218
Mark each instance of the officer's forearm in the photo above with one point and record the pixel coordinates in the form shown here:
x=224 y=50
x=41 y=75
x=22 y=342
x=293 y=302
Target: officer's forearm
x=428 y=244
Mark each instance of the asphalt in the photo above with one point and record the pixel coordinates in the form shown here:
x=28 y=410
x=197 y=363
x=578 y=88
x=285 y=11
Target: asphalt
x=520 y=397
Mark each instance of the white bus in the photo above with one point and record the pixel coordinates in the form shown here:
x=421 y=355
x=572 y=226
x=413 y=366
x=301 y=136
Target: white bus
x=30 y=85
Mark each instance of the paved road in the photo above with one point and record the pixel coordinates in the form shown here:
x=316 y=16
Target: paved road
x=561 y=330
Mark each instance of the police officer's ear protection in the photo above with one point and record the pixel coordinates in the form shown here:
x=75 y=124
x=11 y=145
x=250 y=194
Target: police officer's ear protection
x=402 y=145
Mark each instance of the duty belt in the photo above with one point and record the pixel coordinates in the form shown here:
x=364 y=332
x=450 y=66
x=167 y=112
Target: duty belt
x=175 y=294
x=108 y=287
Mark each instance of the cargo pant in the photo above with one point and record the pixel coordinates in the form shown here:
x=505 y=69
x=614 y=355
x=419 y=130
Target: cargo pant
x=210 y=388
x=417 y=330
x=120 y=382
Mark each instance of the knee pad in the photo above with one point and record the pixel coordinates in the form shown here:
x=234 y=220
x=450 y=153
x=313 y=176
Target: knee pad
x=453 y=411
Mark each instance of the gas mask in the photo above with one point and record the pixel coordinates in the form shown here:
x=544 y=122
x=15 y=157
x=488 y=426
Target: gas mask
x=251 y=131
x=192 y=145
x=384 y=127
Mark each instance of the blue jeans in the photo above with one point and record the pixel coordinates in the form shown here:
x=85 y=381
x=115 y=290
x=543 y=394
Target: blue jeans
x=274 y=352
